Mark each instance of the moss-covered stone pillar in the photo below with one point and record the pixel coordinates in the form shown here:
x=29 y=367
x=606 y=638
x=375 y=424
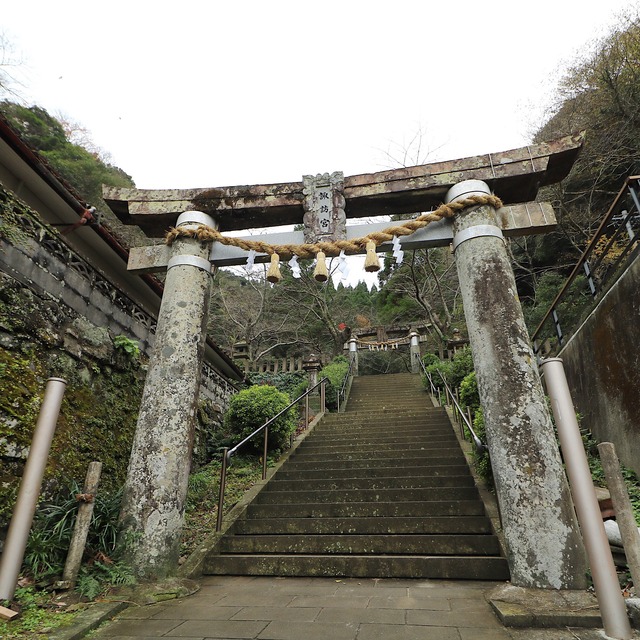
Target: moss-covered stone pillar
x=156 y=487
x=543 y=543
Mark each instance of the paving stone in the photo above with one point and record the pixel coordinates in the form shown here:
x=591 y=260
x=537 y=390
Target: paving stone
x=297 y=614
x=573 y=633
x=468 y=604
x=136 y=612
x=145 y=637
x=484 y=634
x=197 y=611
x=217 y=629
x=405 y=632
x=349 y=602
x=483 y=619
x=137 y=628
x=281 y=630
x=408 y=602
x=371 y=591
x=384 y=616
x=244 y=599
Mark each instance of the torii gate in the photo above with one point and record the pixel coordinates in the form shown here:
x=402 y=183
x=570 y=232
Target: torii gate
x=544 y=547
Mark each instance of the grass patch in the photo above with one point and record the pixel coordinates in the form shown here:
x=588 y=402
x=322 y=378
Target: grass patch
x=202 y=498
x=40 y=614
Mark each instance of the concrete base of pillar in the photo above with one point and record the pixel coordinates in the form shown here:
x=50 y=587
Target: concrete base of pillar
x=544 y=608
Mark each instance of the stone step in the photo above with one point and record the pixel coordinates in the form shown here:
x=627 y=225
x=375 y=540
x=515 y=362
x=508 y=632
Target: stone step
x=387 y=544
x=349 y=443
x=398 y=424
x=383 y=490
x=453 y=458
x=355 y=437
x=369 y=473
x=429 y=509
x=398 y=525
x=433 y=567
x=352 y=484
x=424 y=494
x=382 y=447
x=399 y=455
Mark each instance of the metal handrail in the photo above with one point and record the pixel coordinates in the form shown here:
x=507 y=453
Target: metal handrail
x=227 y=452
x=345 y=381
x=480 y=446
x=617 y=209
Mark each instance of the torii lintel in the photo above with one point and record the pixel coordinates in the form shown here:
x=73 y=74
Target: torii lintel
x=515 y=176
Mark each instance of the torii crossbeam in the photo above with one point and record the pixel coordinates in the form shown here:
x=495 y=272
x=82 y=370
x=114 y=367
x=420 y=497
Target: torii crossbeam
x=514 y=175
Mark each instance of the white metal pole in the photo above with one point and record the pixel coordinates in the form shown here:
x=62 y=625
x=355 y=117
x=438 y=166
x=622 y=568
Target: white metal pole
x=30 y=486
x=603 y=571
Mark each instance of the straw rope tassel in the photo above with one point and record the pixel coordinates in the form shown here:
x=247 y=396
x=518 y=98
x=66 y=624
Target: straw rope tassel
x=320 y=273
x=371 y=263
x=273 y=275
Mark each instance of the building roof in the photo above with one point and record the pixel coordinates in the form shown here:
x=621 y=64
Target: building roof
x=30 y=177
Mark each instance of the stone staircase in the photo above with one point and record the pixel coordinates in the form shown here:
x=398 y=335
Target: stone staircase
x=382 y=490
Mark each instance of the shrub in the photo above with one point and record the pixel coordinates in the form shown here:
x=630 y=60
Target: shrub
x=335 y=371
x=482 y=461
x=438 y=370
x=454 y=370
x=469 y=396
x=252 y=407
x=461 y=366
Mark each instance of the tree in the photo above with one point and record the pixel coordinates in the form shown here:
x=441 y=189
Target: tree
x=10 y=61
x=600 y=94
x=84 y=171
x=246 y=308
x=424 y=286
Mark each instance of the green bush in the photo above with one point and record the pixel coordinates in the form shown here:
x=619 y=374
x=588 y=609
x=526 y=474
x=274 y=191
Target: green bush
x=252 y=407
x=469 y=396
x=461 y=366
x=335 y=371
x=453 y=371
x=482 y=461
x=52 y=529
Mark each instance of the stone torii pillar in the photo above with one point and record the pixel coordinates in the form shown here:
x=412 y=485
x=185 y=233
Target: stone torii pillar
x=156 y=487
x=543 y=542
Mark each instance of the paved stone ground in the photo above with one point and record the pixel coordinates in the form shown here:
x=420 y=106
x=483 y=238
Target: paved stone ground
x=327 y=609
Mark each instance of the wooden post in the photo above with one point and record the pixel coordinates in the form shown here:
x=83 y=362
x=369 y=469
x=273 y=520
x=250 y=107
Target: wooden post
x=623 y=509
x=81 y=529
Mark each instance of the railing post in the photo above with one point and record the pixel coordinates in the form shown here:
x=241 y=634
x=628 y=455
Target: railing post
x=603 y=571
x=264 y=453
x=223 y=480
x=556 y=323
x=323 y=397
x=30 y=486
x=306 y=411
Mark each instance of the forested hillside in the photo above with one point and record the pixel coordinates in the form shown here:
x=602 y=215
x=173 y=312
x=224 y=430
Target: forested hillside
x=599 y=93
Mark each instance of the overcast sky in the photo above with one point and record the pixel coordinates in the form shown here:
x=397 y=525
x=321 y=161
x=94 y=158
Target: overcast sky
x=204 y=94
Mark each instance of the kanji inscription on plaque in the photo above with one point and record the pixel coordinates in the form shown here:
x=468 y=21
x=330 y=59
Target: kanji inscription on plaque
x=324 y=218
